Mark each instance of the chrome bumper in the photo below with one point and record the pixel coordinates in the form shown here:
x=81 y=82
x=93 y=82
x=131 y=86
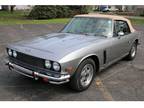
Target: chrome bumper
x=26 y=72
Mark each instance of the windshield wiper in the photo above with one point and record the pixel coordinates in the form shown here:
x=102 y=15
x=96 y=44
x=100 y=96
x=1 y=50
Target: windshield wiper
x=87 y=34
x=71 y=32
x=78 y=33
x=100 y=35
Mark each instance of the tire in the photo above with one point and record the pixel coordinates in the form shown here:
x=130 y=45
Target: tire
x=133 y=52
x=84 y=75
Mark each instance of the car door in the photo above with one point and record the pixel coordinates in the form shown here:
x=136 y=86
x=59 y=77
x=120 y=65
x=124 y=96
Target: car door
x=120 y=40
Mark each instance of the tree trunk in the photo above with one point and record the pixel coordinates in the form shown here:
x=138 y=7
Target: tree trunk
x=12 y=8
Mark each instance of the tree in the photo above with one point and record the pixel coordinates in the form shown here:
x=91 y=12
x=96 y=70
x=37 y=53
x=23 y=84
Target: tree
x=12 y=8
x=48 y=12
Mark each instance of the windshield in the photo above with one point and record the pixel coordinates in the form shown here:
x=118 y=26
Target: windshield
x=89 y=26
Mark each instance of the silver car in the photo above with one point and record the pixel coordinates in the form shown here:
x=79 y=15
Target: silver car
x=86 y=45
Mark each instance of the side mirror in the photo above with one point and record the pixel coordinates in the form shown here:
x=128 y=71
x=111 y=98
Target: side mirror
x=120 y=33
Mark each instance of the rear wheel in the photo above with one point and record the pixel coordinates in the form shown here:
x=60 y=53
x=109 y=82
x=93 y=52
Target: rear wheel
x=133 y=52
x=84 y=75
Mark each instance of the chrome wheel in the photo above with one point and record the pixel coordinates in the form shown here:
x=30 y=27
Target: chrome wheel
x=133 y=51
x=86 y=75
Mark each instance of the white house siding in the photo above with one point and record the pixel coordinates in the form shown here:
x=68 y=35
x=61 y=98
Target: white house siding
x=23 y=7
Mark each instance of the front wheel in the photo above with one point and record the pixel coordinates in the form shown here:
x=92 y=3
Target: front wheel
x=84 y=75
x=133 y=52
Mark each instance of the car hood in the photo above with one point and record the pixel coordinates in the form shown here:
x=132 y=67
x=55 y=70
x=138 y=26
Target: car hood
x=56 y=45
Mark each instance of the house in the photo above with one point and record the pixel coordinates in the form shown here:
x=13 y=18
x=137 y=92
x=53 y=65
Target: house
x=23 y=7
x=16 y=7
x=135 y=9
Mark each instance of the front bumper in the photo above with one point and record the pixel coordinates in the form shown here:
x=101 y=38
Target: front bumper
x=32 y=74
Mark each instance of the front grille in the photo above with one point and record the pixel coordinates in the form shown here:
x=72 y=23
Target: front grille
x=33 y=61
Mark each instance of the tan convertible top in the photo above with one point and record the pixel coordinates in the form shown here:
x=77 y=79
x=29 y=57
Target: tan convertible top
x=113 y=17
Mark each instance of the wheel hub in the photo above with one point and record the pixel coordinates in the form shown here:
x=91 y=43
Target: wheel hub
x=86 y=75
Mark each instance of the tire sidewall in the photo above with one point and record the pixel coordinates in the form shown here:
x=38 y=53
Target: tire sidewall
x=77 y=74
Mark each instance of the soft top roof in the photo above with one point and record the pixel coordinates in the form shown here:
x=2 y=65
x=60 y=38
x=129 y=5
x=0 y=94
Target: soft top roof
x=113 y=17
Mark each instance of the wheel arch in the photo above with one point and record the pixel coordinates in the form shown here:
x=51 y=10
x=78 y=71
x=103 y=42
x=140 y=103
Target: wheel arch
x=94 y=58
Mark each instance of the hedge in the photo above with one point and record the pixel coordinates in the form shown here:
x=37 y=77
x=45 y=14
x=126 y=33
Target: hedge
x=48 y=12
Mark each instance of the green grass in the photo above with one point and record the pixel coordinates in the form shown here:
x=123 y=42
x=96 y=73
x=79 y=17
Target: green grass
x=137 y=21
x=26 y=21
x=18 y=17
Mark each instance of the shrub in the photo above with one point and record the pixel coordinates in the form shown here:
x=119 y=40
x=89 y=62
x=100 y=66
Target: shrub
x=48 y=12
x=62 y=11
x=43 y=12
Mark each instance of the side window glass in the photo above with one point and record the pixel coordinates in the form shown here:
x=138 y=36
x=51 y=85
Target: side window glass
x=126 y=28
x=121 y=26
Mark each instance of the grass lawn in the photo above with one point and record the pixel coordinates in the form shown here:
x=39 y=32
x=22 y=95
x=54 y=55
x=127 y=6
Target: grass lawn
x=24 y=21
x=137 y=21
x=18 y=17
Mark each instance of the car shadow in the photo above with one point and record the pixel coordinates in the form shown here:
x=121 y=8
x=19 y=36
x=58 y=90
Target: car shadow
x=23 y=88
x=114 y=65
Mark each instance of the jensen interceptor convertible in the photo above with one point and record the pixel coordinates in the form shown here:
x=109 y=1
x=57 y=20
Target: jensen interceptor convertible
x=87 y=44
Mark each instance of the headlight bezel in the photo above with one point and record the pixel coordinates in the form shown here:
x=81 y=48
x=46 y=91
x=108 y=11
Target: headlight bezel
x=48 y=62
x=10 y=52
x=14 y=53
x=55 y=66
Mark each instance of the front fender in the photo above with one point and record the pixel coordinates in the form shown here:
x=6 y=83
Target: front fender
x=74 y=59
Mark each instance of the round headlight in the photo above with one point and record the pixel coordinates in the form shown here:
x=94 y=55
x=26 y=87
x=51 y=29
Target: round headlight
x=56 y=66
x=14 y=53
x=9 y=52
x=47 y=64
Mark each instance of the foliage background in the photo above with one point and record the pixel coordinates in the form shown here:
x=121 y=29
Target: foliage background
x=49 y=12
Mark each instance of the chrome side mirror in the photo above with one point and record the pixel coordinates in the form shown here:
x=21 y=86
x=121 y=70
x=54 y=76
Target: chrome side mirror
x=120 y=33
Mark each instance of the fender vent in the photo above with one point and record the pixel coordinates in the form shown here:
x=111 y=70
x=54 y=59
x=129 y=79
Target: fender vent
x=104 y=57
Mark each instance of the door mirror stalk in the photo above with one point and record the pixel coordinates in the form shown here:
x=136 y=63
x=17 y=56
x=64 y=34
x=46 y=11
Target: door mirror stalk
x=120 y=34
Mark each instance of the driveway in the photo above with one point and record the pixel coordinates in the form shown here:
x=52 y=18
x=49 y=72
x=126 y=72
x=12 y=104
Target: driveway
x=122 y=81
